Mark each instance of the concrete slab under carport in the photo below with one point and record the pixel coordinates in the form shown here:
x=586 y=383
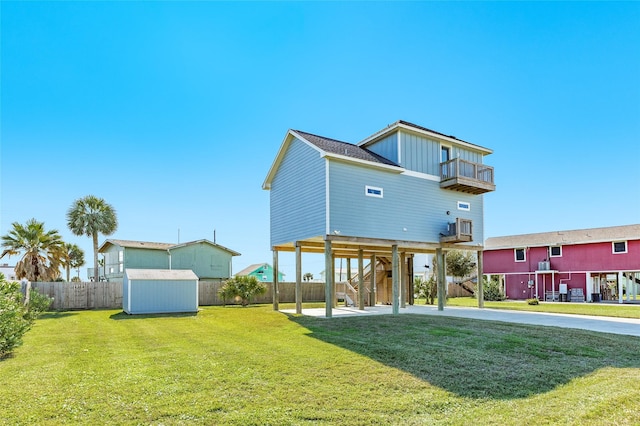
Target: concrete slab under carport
x=624 y=326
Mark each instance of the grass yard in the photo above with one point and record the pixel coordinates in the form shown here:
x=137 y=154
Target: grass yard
x=595 y=309
x=254 y=366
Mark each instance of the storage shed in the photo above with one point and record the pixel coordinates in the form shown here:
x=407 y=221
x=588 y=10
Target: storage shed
x=155 y=291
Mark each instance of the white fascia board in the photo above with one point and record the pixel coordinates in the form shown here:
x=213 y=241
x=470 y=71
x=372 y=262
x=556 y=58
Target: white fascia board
x=365 y=163
x=283 y=147
x=421 y=175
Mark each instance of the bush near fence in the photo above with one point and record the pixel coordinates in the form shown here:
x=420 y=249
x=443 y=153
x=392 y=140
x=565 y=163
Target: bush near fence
x=108 y=294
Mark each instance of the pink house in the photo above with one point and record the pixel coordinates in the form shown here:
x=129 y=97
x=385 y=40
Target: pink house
x=600 y=264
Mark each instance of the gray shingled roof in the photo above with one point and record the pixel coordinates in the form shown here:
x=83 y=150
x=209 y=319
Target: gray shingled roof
x=344 y=148
x=139 y=244
x=580 y=236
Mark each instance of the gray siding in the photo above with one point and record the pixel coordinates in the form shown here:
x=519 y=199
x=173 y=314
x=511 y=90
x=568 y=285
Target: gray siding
x=420 y=154
x=159 y=296
x=298 y=195
x=145 y=259
x=419 y=205
x=387 y=147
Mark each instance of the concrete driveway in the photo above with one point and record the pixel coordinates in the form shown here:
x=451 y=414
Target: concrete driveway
x=613 y=325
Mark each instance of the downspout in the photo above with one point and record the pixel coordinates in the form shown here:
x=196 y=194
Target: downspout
x=169 y=253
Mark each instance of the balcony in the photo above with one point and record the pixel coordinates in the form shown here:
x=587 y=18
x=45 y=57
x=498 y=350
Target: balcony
x=460 y=231
x=465 y=176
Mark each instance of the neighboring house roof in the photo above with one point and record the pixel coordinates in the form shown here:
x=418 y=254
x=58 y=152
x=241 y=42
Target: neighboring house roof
x=423 y=130
x=161 y=274
x=251 y=268
x=580 y=236
x=160 y=246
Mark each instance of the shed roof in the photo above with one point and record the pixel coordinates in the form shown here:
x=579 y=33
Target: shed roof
x=579 y=236
x=160 y=274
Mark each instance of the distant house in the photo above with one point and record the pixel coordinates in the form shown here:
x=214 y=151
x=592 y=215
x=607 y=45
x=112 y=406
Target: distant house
x=262 y=271
x=404 y=190
x=9 y=272
x=206 y=259
x=588 y=264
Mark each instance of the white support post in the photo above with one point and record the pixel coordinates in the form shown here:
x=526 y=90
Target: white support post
x=373 y=276
x=480 y=287
x=441 y=278
x=403 y=280
x=361 y=289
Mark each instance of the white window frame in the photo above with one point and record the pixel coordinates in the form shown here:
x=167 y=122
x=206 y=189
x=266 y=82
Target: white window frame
x=613 y=247
x=464 y=206
x=515 y=254
x=368 y=188
x=555 y=255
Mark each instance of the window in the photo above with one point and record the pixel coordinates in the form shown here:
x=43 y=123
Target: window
x=464 y=206
x=619 y=247
x=372 y=191
x=555 y=251
x=520 y=255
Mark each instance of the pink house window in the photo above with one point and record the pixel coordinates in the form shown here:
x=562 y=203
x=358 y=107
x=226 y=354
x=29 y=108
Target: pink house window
x=519 y=255
x=619 y=247
x=555 y=251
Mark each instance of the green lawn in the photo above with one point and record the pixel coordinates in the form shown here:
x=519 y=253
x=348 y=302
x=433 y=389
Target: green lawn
x=252 y=365
x=596 y=309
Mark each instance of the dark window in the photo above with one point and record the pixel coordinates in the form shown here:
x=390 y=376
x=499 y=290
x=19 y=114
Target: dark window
x=620 y=247
x=556 y=251
x=519 y=255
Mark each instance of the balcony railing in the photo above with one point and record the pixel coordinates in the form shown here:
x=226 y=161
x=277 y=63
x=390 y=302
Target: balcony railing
x=460 y=231
x=466 y=176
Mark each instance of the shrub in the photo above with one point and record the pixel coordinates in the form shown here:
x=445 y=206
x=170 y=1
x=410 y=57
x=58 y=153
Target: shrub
x=427 y=289
x=16 y=318
x=533 y=301
x=243 y=288
x=492 y=291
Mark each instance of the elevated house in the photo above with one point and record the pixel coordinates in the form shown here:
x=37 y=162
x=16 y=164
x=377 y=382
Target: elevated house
x=598 y=264
x=404 y=190
x=262 y=271
x=206 y=259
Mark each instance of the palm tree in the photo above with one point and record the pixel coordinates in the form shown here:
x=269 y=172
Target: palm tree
x=73 y=257
x=42 y=250
x=91 y=216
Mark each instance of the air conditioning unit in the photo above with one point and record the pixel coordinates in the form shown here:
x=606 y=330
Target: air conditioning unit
x=544 y=266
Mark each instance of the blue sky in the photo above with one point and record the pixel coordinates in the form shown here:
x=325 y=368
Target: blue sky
x=173 y=112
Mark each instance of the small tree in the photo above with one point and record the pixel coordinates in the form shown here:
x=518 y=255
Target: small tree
x=16 y=318
x=244 y=288
x=73 y=258
x=461 y=264
x=427 y=289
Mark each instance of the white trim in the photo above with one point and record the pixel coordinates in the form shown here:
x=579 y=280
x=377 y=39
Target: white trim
x=366 y=163
x=421 y=175
x=515 y=257
x=400 y=149
x=613 y=247
x=370 y=191
x=326 y=195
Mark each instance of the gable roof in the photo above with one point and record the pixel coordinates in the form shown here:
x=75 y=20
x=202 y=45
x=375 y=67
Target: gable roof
x=159 y=246
x=330 y=148
x=249 y=269
x=350 y=150
x=401 y=124
x=579 y=236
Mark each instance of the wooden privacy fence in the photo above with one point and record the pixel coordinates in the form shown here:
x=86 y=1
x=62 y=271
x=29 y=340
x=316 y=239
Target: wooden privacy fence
x=108 y=295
